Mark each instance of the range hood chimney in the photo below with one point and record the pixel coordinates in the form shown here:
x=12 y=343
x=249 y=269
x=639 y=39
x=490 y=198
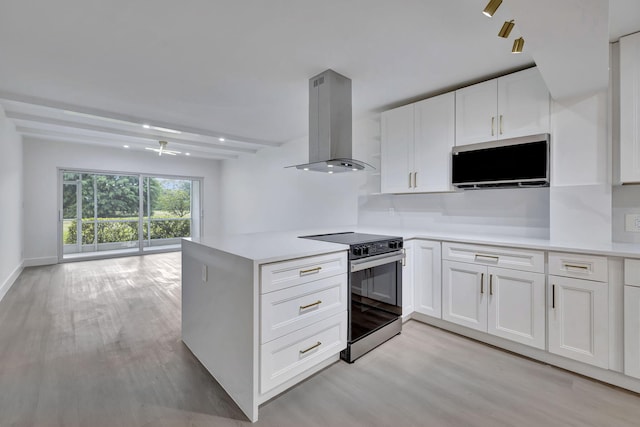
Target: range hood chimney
x=330 y=125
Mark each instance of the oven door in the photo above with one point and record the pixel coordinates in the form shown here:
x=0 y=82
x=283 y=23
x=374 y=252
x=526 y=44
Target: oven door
x=376 y=293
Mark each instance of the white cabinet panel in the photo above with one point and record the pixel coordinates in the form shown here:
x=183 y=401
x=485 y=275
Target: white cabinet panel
x=518 y=259
x=281 y=275
x=464 y=294
x=630 y=108
x=293 y=308
x=523 y=104
x=476 y=109
x=517 y=306
x=579 y=320
x=579 y=266
x=434 y=138
x=408 y=280
x=510 y=106
x=294 y=353
x=427 y=277
x=632 y=272
x=632 y=331
x=396 y=153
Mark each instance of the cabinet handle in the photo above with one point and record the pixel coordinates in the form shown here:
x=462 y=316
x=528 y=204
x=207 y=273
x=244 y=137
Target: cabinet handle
x=491 y=284
x=493 y=119
x=409 y=179
x=500 y=124
x=311 y=270
x=404 y=257
x=415 y=179
x=553 y=296
x=482 y=283
x=491 y=257
x=581 y=267
x=316 y=345
x=304 y=307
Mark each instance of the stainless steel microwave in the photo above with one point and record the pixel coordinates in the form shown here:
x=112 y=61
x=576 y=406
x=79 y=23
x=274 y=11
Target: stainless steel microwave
x=516 y=162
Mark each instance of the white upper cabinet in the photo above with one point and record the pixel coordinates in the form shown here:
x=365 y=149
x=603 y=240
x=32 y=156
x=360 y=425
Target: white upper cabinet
x=630 y=109
x=514 y=105
x=396 y=156
x=416 y=146
x=434 y=138
x=476 y=109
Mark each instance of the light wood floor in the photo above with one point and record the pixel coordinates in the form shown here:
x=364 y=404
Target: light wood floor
x=97 y=343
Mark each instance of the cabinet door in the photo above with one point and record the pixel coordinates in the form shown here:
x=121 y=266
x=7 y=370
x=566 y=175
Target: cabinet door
x=464 y=294
x=427 y=277
x=396 y=154
x=579 y=320
x=517 y=306
x=630 y=108
x=408 y=280
x=632 y=331
x=434 y=138
x=523 y=104
x=476 y=111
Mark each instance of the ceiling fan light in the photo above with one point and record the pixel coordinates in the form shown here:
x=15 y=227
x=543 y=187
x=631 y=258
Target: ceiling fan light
x=491 y=8
x=506 y=29
x=518 y=45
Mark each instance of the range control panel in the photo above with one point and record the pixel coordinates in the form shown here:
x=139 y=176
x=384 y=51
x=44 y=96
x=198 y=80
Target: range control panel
x=375 y=248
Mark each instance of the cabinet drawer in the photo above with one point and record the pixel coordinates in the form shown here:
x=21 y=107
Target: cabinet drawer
x=293 y=308
x=292 y=354
x=281 y=275
x=516 y=259
x=632 y=272
x=580 y=266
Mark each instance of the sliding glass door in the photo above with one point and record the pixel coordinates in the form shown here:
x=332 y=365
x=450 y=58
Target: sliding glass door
x=113 y=214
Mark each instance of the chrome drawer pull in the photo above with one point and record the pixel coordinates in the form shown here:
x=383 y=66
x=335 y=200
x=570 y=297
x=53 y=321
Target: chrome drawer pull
x=581 y=267
x=304 y=307
x=311 y=270
x=491 y=257
x=316 y=345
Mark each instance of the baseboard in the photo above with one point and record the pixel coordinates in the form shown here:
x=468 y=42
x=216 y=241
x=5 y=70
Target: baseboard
x=34 y=262
x=11 y=280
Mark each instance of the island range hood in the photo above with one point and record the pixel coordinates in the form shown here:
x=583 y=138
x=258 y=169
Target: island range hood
x=330 y=125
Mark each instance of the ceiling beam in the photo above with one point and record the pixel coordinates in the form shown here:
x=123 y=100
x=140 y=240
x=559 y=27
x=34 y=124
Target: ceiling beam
x=100 y=129
x=138 y=121
x=93 y=140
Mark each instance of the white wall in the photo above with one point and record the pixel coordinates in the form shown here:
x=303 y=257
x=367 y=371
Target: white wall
x=11 y=224
x=259 y=194
x=41 y=193
x=580 y=194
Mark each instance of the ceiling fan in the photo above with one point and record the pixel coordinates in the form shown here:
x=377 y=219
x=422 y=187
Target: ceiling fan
x=163 y=149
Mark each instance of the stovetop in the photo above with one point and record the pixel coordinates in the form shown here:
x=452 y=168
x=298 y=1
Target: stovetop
x=350 y=238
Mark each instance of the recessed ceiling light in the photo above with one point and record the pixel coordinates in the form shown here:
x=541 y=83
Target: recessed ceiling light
x=330 y=171
x=187 y=154
x=305 y=169
x=329 y=166
x=221 y=139
x=146 y=126
x=354 y=169
x=161 y=129
x=125 y=146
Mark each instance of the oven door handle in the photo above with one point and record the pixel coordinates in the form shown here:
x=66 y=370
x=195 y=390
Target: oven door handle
x=376 y=260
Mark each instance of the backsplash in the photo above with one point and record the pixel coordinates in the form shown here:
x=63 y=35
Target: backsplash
x=512 y=212
x=625 y=200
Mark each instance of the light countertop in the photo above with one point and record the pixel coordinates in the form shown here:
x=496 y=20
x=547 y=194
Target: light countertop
x=269 y=247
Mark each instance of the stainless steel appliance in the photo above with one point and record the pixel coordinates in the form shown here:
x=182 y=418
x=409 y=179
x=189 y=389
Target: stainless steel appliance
x=516 y=162
x=375 y=289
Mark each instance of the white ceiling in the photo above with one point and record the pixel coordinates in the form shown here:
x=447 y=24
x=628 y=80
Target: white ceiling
x=237 y=69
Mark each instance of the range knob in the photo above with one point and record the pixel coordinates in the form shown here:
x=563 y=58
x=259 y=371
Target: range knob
x=365 y=250
x=393 y=244
x=357 y=251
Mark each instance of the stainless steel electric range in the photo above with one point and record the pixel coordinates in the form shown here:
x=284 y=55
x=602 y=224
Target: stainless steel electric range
x=375 y=289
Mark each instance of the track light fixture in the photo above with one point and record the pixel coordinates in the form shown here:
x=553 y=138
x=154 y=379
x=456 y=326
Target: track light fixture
x=506 y=29
x=491 y=8
x=518 y=44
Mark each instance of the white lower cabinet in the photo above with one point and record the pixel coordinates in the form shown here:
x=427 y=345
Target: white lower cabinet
x=506 y=303
x=427 y=277
x=632 y=331
x=579 y=320
x=408 y=301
